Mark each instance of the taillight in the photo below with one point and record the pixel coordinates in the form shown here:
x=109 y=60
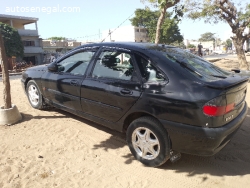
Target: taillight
x=217 y=107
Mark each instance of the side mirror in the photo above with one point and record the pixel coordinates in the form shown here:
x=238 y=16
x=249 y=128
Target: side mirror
x=52 y=67
x=236 y=70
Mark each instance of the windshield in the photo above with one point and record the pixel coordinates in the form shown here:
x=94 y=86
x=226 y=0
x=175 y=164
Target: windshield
x=194 y=64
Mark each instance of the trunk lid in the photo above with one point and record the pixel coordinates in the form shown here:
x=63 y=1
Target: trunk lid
x=234 y=90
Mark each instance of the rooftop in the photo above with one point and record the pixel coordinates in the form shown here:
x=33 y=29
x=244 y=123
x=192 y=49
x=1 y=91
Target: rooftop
x=21 y=19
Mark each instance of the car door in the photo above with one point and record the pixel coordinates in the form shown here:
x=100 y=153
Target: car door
x=112 y=87
x=62 y=87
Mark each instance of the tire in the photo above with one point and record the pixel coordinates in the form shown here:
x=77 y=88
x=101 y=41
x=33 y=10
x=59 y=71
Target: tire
x=34 y=95
x=148 y=141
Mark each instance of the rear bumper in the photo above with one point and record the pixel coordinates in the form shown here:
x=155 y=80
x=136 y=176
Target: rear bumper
x=200 y=140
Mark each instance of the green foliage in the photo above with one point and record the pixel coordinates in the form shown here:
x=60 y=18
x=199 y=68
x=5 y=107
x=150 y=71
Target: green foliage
x=208 y=36
x=57 y=38
x=178 y=9
x=178 y=44
x=191 y=46
x=228 y=43
x=170 y=32
x=236 y=13
x=212 y=11
x=202 y=9
x=160 y=3
x=12 y=41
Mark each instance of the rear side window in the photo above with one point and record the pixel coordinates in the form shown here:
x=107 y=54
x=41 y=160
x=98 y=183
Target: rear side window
x=148 y=71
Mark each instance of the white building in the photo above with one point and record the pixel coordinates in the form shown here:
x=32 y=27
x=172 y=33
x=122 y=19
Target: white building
x=126 y=34
x=33 y=51
x=206 y=44
x=55 y=48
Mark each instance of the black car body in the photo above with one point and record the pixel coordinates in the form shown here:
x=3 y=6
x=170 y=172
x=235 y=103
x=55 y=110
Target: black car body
x=135 y=87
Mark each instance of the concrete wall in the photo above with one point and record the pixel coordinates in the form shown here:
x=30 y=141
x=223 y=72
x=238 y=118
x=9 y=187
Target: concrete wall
x=32 y=38
x=27 y=32
x=126 y=34
x=17 y=25
x=141 y=35
x=32 y=50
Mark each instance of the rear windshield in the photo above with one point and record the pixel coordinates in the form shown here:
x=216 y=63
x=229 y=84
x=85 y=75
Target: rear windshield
x=194 y=64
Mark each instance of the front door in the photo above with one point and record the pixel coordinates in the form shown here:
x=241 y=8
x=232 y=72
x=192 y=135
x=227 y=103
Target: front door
x=113 y=87
x=63 y=86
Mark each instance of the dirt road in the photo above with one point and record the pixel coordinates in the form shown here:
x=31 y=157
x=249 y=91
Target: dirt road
x=56 y=149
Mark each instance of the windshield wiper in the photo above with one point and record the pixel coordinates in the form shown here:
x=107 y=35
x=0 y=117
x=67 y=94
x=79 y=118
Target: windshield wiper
x=217 y=76
x=185 y=65
x=189 y=68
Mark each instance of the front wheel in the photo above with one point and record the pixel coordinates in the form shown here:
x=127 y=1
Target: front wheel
x=148 y=141
x=34 y=95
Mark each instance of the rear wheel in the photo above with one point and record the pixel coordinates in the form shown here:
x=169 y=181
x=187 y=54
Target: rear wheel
x=34 y=95
x=148 y=141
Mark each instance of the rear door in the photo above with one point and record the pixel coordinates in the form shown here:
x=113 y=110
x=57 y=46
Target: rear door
x=112 y=87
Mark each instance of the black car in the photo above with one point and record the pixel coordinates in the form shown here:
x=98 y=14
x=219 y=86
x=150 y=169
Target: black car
x=167 y=100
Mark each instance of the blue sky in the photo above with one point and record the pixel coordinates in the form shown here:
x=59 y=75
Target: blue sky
x=94 y=16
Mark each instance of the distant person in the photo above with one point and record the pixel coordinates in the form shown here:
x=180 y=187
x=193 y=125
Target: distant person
x=211 y=50
x=200 y=50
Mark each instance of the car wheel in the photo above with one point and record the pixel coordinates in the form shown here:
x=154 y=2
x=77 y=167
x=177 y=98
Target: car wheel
x=148 y=141
x=34 y=95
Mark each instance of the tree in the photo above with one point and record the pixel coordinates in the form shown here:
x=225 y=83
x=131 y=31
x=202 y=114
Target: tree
x=170 y=32
x=12 y=41
x=57 y=38
x=6 y=81
x=163 y=6
x=228 y=43
x=191 y=46
x=208 y=36
x=10 y=45
x=233 y=13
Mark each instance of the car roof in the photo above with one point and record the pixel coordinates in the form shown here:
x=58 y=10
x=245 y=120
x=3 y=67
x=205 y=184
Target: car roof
x=130 y=45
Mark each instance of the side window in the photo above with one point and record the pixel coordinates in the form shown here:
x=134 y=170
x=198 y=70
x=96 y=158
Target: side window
x=114 y=64
x=76 y=64
x=148 y=71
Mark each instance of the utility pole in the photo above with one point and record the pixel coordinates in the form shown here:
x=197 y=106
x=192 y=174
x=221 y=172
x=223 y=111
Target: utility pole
x=110 y=35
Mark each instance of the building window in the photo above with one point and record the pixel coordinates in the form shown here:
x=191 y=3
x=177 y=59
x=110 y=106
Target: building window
x=28 y=43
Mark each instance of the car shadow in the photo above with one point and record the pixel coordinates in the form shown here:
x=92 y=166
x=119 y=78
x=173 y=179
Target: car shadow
x=233 y=160
x=235 y=154
x=28 y=117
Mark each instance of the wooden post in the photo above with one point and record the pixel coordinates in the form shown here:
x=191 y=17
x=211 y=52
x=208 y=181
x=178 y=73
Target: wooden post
x=5 y=74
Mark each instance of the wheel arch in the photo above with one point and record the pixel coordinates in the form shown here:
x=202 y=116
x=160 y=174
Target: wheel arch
x=131 y=117
x=26 y=82
x=135 y=115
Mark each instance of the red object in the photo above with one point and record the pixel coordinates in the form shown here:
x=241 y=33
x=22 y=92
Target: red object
x=217 y=110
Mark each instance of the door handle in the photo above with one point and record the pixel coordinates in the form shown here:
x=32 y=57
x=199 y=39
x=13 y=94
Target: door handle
x=126 y=92
x=73 y=82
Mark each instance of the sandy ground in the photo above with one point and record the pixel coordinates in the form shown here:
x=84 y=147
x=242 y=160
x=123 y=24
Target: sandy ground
x=56 y=149
x=228 y=63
